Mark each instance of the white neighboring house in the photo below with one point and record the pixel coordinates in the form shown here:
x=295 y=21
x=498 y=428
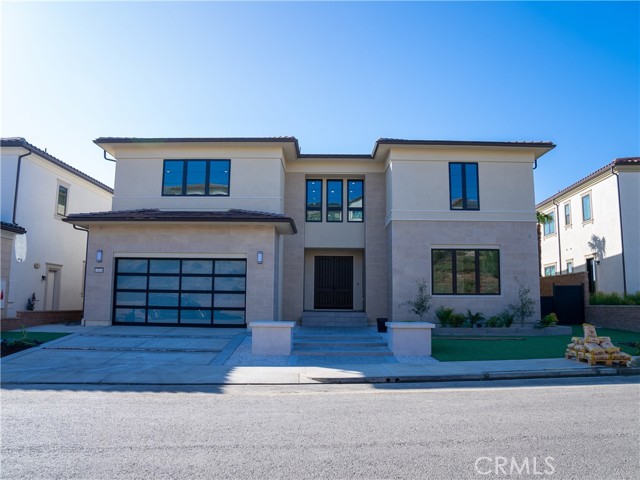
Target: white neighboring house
x=38 y=191
x=596 y=228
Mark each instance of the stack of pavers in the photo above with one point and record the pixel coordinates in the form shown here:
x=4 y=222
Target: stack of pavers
x=595 y=350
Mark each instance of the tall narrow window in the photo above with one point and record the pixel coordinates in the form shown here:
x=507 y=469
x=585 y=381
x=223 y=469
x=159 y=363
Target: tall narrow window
x=463 y=186
x=314 y=200
x=61 y=206
x=586 y=208
x=196 y=178
x=550 y=226
x=567 y=214
x=334 y=200
x=569 y=266
x=355 y=201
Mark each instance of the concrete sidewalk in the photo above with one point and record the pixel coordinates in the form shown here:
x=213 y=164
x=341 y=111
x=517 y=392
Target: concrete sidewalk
x=171 y=356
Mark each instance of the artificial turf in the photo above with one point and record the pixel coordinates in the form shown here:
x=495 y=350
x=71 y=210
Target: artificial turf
x=460 y=349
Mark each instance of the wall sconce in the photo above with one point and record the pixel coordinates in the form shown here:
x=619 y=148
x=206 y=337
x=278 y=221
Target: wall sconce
x=260 y=257
x=99 y=256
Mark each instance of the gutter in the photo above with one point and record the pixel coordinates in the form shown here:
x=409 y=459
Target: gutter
x=624 y=272
x=15 y=193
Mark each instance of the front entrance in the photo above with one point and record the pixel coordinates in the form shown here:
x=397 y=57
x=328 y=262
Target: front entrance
x=333 y=283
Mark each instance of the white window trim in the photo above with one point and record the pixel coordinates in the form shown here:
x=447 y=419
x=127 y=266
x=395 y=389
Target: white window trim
x=586 y=222
x=66 y=185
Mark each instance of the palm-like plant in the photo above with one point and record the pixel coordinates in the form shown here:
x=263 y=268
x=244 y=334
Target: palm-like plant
x=541 y=218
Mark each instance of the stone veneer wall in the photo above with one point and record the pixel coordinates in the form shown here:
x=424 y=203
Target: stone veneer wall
x=293 y=264
x=410 y=252
x=375 y=254
x=181 y=240
x=623 y=317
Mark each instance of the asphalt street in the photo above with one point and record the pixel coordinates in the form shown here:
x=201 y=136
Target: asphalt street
x=558 y=428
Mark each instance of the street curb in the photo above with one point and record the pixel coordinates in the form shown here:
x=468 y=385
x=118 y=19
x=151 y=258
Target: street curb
x=509 y=375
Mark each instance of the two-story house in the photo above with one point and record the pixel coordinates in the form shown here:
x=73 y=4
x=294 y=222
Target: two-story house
x=595 y=227
x=225 y=231
x=43 y=256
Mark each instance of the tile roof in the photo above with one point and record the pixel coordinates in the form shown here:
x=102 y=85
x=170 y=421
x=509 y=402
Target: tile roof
x=156 y=215
x=12 y=227
x=609 y=166
x=21 y=142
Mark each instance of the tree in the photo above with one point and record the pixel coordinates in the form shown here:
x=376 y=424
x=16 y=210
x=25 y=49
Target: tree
x=525 y=307
x=422 y=303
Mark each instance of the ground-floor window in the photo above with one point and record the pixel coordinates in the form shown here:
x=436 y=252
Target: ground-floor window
x=205 y=292
x=465 y=271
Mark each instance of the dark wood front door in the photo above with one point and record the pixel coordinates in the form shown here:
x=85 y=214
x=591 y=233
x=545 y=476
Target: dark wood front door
x=333 y=283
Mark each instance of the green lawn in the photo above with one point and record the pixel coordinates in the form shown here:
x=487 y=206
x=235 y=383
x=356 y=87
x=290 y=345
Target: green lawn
x=460 y=349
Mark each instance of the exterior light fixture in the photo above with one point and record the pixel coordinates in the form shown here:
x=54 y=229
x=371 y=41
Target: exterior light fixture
x=260 y=257
x=99 y=256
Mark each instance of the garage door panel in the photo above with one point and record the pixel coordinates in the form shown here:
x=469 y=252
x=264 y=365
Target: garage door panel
x=205 y=292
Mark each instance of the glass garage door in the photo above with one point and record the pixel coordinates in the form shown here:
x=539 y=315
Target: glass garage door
x=197 y=292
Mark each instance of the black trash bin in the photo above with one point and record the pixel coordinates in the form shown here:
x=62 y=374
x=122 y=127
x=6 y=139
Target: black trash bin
x=382 y=327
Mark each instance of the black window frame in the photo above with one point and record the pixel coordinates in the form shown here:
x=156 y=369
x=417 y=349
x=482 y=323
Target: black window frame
x=330 y=209
x=313 y=209
x=179 y=291
x=465 y=199
x=355 y=209
x=454 y=289
x=207 y=175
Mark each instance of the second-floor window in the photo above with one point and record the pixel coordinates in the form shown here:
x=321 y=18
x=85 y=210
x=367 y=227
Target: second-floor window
x=334 y=200
x=314 y=200
x=463 y=186
x=550 y=225
x=549 y=270
x=196 y=178
x=586 y=208
x=61 y=205
x=567 y=214
x=355 y=201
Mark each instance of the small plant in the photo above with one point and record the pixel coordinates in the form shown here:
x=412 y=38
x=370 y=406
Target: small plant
x=443 y=315
x=31 y=302
x=507 y=317
x=457 y=320
x=549 y=320
x=525 y=307
x=495 y=322
x=422 y=303
x=474 y=319
x=613 y=298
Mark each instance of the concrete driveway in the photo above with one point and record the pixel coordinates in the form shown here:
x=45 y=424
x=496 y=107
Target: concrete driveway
x=124 y=354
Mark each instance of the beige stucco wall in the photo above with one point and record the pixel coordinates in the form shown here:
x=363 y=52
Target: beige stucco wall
x=410 y=248
x=256 y=178
x=630 y=199
x=419 y=184
x=293 y=248
x=183 y=241
x=6 y=244
x=50 y=241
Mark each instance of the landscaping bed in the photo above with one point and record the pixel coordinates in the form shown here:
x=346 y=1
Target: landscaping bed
x=14 y=342
x=457 y=349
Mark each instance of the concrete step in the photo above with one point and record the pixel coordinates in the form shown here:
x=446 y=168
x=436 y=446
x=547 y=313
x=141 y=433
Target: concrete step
x=344 y=351
x=334 y=319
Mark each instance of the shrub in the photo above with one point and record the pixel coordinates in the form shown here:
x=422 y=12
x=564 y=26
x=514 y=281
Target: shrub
x=548 y=321
x=507 y=318
x=456 y=320
x=422 y=303
x=474 y=319
x=495 y=322
x=614 y=298
x=443 y=315
x=525 y=306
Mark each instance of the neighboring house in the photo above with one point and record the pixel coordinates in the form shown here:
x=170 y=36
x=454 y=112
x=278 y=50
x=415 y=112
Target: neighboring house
x=595 y=228
x=225 y=231
x=38 y=192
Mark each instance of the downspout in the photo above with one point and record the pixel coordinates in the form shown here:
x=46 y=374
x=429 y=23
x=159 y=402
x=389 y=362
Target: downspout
x=15 y=194
x=559 y=243
x=624 y=271
x=104 y=154
x=86 y=265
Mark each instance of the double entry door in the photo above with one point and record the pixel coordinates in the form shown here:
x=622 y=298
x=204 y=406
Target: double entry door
x=333 y=282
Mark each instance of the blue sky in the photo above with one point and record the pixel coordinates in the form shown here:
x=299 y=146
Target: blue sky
x=335 y=75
